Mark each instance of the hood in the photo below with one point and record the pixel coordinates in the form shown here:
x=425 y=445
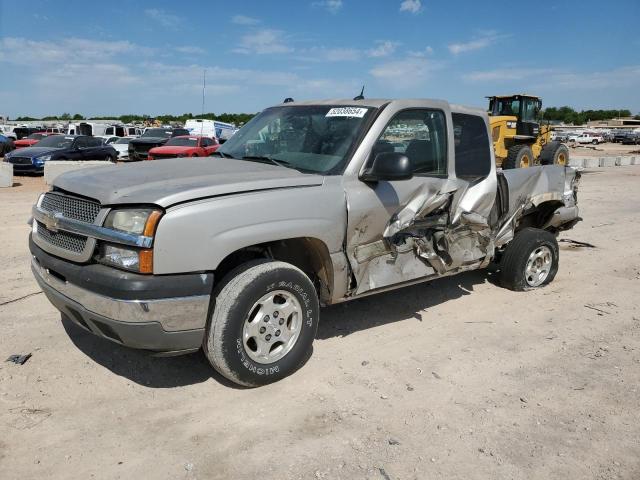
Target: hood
x=35 y=151
x=179 y=180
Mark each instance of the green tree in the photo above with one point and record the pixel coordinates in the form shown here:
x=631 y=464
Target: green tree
x=77 y=116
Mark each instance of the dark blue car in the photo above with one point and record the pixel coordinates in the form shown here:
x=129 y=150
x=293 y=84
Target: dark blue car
x=59 y=147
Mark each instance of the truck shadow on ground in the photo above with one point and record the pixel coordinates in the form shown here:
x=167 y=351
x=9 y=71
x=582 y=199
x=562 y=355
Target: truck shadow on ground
x=336 y=321
x=397 y=305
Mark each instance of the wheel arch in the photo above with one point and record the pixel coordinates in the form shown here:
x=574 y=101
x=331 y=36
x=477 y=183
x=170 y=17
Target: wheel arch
x=309 y=254
x=539 y=215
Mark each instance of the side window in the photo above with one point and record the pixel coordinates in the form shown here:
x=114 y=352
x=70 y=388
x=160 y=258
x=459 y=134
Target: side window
x=206 y=142
x=473 y=154
x=109 y=131
x=82 y=142
x=94 y=142
x=422 y=136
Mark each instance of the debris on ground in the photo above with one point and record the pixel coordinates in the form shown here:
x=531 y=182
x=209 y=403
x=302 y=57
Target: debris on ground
x=19 y=359
x=393 y=441
x=435 y=375
x=576 y=243
x=384 y=474
x=364 y=363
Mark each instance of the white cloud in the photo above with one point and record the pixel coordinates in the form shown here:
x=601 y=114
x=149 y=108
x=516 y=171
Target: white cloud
x=265 y=41
x=325 y=54
x=421 y=53
x=332 y=6
x=23 y=51
x=244 y=20
x=191 y=50
x=404 y=73
x=558 y=79
x=411 y=6
x=383 y=49
x=486 y=39
x=163 y=17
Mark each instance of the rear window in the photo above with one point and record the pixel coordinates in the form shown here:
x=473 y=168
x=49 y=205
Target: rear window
x=472 y=149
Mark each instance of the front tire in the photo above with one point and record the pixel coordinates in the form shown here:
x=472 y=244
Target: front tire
x=530 y=261
x=519 y=156
x=263 y=323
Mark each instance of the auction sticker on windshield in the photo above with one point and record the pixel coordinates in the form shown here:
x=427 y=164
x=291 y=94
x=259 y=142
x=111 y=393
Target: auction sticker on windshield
x=347 y=112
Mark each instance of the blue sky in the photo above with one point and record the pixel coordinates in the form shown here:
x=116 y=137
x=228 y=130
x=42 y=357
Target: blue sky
x=116 y=57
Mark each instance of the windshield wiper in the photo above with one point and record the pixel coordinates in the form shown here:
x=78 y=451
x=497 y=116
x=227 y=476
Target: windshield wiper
x=263 y=158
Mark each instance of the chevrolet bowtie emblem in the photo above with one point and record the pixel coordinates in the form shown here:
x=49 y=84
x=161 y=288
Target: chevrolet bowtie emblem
x=50 y=221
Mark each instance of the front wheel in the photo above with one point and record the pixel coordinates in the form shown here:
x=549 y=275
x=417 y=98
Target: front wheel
x=263 y=323
x=530 y=261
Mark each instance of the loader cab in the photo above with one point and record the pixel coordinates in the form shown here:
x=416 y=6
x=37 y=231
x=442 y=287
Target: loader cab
x=524 y=107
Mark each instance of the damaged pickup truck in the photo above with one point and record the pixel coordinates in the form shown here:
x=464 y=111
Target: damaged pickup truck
x=309 y=204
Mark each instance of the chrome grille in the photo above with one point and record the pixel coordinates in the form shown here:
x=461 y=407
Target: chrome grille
x=71 y=207
x=65 y=240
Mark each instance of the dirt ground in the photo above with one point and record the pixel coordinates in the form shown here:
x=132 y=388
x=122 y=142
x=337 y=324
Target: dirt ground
x=456 y=379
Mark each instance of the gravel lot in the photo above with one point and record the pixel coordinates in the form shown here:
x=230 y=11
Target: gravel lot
x=456 y=379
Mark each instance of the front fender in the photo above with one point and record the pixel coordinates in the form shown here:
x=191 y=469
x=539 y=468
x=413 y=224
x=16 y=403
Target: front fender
x=197 y=236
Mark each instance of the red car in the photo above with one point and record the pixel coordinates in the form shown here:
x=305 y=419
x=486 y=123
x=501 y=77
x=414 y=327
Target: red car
x=32 y=139
x=185 y=146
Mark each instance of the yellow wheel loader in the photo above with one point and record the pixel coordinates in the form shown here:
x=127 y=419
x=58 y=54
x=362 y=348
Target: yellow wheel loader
x=519 y=140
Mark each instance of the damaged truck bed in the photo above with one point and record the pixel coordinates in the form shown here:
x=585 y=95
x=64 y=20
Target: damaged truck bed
x=309 y=204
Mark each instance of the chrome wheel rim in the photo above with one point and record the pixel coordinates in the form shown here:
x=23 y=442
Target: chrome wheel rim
x=538 y=266
x=272 y=327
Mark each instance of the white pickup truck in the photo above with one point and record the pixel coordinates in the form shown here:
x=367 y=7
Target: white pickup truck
x=588 y=138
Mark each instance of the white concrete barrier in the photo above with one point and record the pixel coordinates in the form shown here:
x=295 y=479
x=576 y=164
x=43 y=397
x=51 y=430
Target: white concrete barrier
x=623 y=161
x=635 y=160
x=6 y=175
x=56 y=167
x=591 y=162
x=608 y=161
x=576 y=162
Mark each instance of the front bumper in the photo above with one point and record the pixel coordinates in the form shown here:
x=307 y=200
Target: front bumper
x=159 y=313
x=29 y=168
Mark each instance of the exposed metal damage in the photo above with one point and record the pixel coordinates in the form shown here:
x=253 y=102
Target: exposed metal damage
x=437 y=226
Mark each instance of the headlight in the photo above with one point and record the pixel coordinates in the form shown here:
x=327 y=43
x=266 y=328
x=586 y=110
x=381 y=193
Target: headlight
x=135 y=221
x=512 y=124
x=43 y=158
x=140 y=261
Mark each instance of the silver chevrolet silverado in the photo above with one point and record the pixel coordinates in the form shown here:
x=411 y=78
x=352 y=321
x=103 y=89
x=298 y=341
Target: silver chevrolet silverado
x=309 y=204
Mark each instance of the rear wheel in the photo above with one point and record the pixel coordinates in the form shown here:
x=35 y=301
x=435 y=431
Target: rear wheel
x=263 y=324
x=530 y=261
x=519 y=156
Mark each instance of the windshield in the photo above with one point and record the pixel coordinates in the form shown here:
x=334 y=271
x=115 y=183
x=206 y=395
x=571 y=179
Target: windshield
x=157 y=132
x=56 y=141
x=314 y=138
x=182 y=142
x=35 y=136
x=123 y=141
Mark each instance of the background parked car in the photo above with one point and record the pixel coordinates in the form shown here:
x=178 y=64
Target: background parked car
x=108 y=139
x=620 y=136
x=122 y=147
x=152 y=137
x=31 y=140
x=185 y=146
x=59 y=147
x=6 y=145
x=632 y=138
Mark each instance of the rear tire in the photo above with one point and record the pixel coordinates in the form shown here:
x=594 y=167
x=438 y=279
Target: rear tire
x=530 y=260
x=247 y=339
x=519 y=156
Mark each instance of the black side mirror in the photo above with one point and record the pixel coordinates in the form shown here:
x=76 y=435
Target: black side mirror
x=388 y=166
